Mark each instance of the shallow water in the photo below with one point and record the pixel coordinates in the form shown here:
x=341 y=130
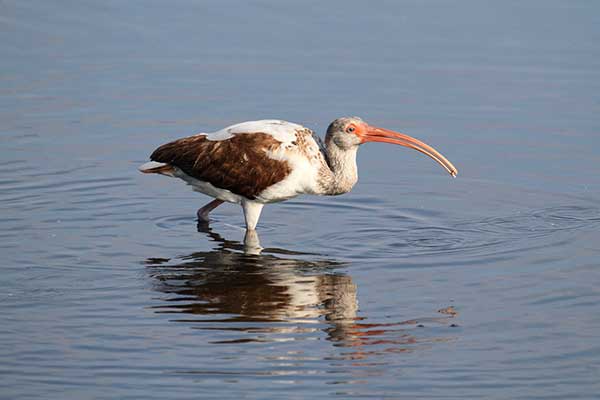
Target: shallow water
x=414 y=285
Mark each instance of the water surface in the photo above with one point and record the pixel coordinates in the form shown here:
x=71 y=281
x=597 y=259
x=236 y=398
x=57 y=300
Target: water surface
x=415 y=285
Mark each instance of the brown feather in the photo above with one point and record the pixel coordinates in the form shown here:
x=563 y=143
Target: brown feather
x=239 y=164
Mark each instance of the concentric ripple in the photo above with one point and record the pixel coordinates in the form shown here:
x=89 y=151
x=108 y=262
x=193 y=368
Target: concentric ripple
x=428 y=236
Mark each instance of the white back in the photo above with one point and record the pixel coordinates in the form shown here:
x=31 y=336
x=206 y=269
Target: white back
x=282 y=131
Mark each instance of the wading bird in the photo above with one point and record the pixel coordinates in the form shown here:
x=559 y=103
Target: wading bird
x=258 y=162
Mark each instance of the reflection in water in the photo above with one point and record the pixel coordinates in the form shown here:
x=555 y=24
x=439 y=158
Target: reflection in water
x=250 y=290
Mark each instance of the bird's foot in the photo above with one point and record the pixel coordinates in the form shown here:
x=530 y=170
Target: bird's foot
x=202 y=216
x=203 y=226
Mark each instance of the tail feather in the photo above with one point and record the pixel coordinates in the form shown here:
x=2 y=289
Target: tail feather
x=153 y=167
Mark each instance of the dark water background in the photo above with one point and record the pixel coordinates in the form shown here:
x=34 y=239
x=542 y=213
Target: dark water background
x=415 y=285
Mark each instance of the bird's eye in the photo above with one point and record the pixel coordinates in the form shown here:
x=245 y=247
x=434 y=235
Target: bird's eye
x=350 y=129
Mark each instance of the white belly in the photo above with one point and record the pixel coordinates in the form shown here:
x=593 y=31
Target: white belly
x=208 y=189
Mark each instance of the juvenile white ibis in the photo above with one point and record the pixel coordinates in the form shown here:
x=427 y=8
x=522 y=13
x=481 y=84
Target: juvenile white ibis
x=258 y=162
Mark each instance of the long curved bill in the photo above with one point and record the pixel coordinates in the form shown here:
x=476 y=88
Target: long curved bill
x=375 y=134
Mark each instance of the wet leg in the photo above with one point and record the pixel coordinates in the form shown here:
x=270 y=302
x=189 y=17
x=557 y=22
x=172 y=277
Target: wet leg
x=203 y=212
x=252 y=243
x=252 y=211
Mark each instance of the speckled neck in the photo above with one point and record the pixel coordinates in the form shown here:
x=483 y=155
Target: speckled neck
x=342 y=173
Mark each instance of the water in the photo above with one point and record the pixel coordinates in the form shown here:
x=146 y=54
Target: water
x=415 y=285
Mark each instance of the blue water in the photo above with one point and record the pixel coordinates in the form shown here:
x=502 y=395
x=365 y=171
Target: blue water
x=415 y=285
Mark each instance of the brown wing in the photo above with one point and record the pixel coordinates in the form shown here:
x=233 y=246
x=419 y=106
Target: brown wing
x=239 y=164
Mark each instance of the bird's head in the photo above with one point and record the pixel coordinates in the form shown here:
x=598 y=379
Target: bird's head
x=351 y=132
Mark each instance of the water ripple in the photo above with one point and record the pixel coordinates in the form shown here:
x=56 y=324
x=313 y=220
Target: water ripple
x=425 y=237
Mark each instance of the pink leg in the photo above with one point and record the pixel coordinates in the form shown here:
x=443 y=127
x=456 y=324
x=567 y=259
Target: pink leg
x=203 y=212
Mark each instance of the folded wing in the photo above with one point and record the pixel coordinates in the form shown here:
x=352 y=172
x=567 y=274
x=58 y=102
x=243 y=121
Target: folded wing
x=239 y=162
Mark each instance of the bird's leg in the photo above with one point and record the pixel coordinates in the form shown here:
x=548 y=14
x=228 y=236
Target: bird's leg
x=203 y=212
x=252 y=211
x=252 y=243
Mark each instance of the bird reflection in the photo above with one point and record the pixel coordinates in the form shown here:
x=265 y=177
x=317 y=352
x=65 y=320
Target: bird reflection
x=265 y=296
x=236 y=281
